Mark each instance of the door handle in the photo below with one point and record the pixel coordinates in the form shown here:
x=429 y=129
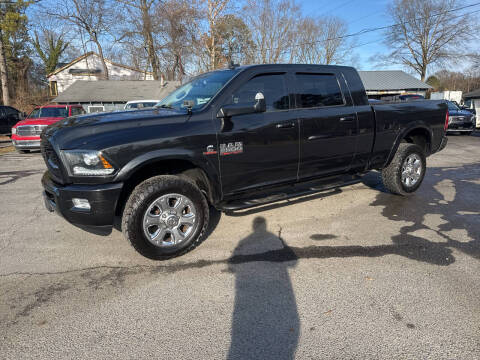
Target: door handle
x=286 y=126
x=347 y=118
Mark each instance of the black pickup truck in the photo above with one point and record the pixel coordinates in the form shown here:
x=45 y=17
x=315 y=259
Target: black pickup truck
x=231 y=139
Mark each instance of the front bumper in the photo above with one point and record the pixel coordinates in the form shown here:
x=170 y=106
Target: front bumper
x=27 y=144
x=102 y=199
x=461 y=126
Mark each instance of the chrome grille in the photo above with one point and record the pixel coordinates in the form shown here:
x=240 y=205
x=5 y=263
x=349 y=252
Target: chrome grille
x=30 y=130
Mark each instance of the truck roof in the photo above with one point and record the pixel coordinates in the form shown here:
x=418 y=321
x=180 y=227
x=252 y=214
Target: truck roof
x=56 y=106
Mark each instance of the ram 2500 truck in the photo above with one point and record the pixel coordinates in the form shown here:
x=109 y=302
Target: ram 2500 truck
x=231 y=139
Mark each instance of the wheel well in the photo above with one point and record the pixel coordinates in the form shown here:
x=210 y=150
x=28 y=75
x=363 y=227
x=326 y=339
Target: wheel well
x=420 y=137
x=183 y=168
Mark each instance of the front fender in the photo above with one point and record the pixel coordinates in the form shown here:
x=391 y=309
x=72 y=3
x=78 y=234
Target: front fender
x=181 y=154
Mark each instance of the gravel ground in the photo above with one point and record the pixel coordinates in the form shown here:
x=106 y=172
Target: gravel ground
x=353 y=273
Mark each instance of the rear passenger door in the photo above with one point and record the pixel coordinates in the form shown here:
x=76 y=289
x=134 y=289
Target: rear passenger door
x=328 y=124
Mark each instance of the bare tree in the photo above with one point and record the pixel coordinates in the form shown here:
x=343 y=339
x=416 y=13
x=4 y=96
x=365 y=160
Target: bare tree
x=4 y=72
x=178 y=34
x=427 y=32
x=50 y=47
x=215 y=9
x=140 y=14
x=321 y=41
x=234 y=40
x=272 y=23
x=92 y=16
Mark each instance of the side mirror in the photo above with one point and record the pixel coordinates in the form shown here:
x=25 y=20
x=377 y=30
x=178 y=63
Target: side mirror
x=230 y=110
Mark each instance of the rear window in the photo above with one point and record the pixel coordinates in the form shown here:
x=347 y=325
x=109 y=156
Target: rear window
x=317 y=90
x=49 y=112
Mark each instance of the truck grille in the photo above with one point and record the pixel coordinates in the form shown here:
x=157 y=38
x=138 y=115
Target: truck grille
x=51 y=160
x=30 y=130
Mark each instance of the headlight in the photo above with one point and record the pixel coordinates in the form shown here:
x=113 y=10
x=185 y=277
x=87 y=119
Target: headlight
x=14 y=130
x=87 y=163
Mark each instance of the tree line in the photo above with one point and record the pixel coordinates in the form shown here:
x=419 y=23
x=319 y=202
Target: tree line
x=175 y=39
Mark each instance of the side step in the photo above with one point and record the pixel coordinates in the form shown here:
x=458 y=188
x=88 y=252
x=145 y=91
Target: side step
x=291 y=191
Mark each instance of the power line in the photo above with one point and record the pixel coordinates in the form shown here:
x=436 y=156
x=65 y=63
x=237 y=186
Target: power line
x=366 y=31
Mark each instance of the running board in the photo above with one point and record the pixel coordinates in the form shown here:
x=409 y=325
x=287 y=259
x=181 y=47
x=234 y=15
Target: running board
x=292 y=191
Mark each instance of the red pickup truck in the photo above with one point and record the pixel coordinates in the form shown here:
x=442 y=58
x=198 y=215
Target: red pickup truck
x=26 y=133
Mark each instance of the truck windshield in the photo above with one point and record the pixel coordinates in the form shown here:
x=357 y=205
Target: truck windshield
x=49 y=112
x=199 y=91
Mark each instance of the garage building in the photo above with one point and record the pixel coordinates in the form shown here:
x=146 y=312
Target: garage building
x=386 y=84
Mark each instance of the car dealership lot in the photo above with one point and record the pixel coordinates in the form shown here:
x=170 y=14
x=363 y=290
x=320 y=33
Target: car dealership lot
x=350 y=273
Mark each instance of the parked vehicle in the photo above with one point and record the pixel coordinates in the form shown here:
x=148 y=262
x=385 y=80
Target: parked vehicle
x=232 y=139
x=26 y=133
x=459 y=120
x=455 y=96
x=140 y=104
x=9 y=116
x=411 y=97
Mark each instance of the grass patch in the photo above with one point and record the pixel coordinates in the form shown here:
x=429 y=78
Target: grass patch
x=7 y=149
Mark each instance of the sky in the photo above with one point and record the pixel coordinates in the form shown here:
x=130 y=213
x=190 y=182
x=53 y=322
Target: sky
x=360 y=15
x=365 y=14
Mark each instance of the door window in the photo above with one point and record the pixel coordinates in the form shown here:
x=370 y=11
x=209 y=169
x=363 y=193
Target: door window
x=318 y=90
x=271 y=85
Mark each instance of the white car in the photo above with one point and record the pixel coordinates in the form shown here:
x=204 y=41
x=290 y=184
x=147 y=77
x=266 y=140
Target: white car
x=140 y=104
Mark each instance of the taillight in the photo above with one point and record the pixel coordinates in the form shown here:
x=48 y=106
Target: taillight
x=446 y=122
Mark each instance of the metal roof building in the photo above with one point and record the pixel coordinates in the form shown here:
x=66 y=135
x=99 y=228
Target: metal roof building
x=108 y=95
x=391 y=82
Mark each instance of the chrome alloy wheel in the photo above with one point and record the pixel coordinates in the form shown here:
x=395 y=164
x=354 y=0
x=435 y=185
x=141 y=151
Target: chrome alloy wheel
x=170 y=220
x=411 y=170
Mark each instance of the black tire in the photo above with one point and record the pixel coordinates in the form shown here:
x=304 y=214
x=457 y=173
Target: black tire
x=392 y=174
x=466 y=132
x=23 y=151
x=140 y=199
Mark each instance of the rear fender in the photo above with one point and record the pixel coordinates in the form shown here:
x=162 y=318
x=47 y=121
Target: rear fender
x=403 y=134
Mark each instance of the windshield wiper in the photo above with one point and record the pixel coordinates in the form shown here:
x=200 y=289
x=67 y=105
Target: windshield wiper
x=165 y=106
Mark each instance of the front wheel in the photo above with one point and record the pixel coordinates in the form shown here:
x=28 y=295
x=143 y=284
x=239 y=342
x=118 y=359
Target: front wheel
x=165 y=216
x=406 y=171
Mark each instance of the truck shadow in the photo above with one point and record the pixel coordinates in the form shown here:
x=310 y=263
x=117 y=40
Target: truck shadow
x=457 y=210
x=455 y=207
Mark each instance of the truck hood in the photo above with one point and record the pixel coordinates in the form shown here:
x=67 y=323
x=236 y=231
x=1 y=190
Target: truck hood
x=39 y=121
x=90 y=131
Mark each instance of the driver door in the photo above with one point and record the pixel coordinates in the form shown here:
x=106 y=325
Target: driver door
x=259 y=149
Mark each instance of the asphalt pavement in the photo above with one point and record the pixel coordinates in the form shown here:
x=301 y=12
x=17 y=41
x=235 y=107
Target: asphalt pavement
x=353 y=273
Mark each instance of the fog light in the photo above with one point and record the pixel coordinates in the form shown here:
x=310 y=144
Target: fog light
x=81 y=204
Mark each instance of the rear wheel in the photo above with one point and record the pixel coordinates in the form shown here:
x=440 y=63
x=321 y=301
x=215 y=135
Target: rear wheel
x=165 y=216
x=406 y=171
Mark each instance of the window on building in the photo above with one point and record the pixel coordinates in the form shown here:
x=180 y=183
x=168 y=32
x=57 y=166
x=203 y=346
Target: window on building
x=53 y=88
